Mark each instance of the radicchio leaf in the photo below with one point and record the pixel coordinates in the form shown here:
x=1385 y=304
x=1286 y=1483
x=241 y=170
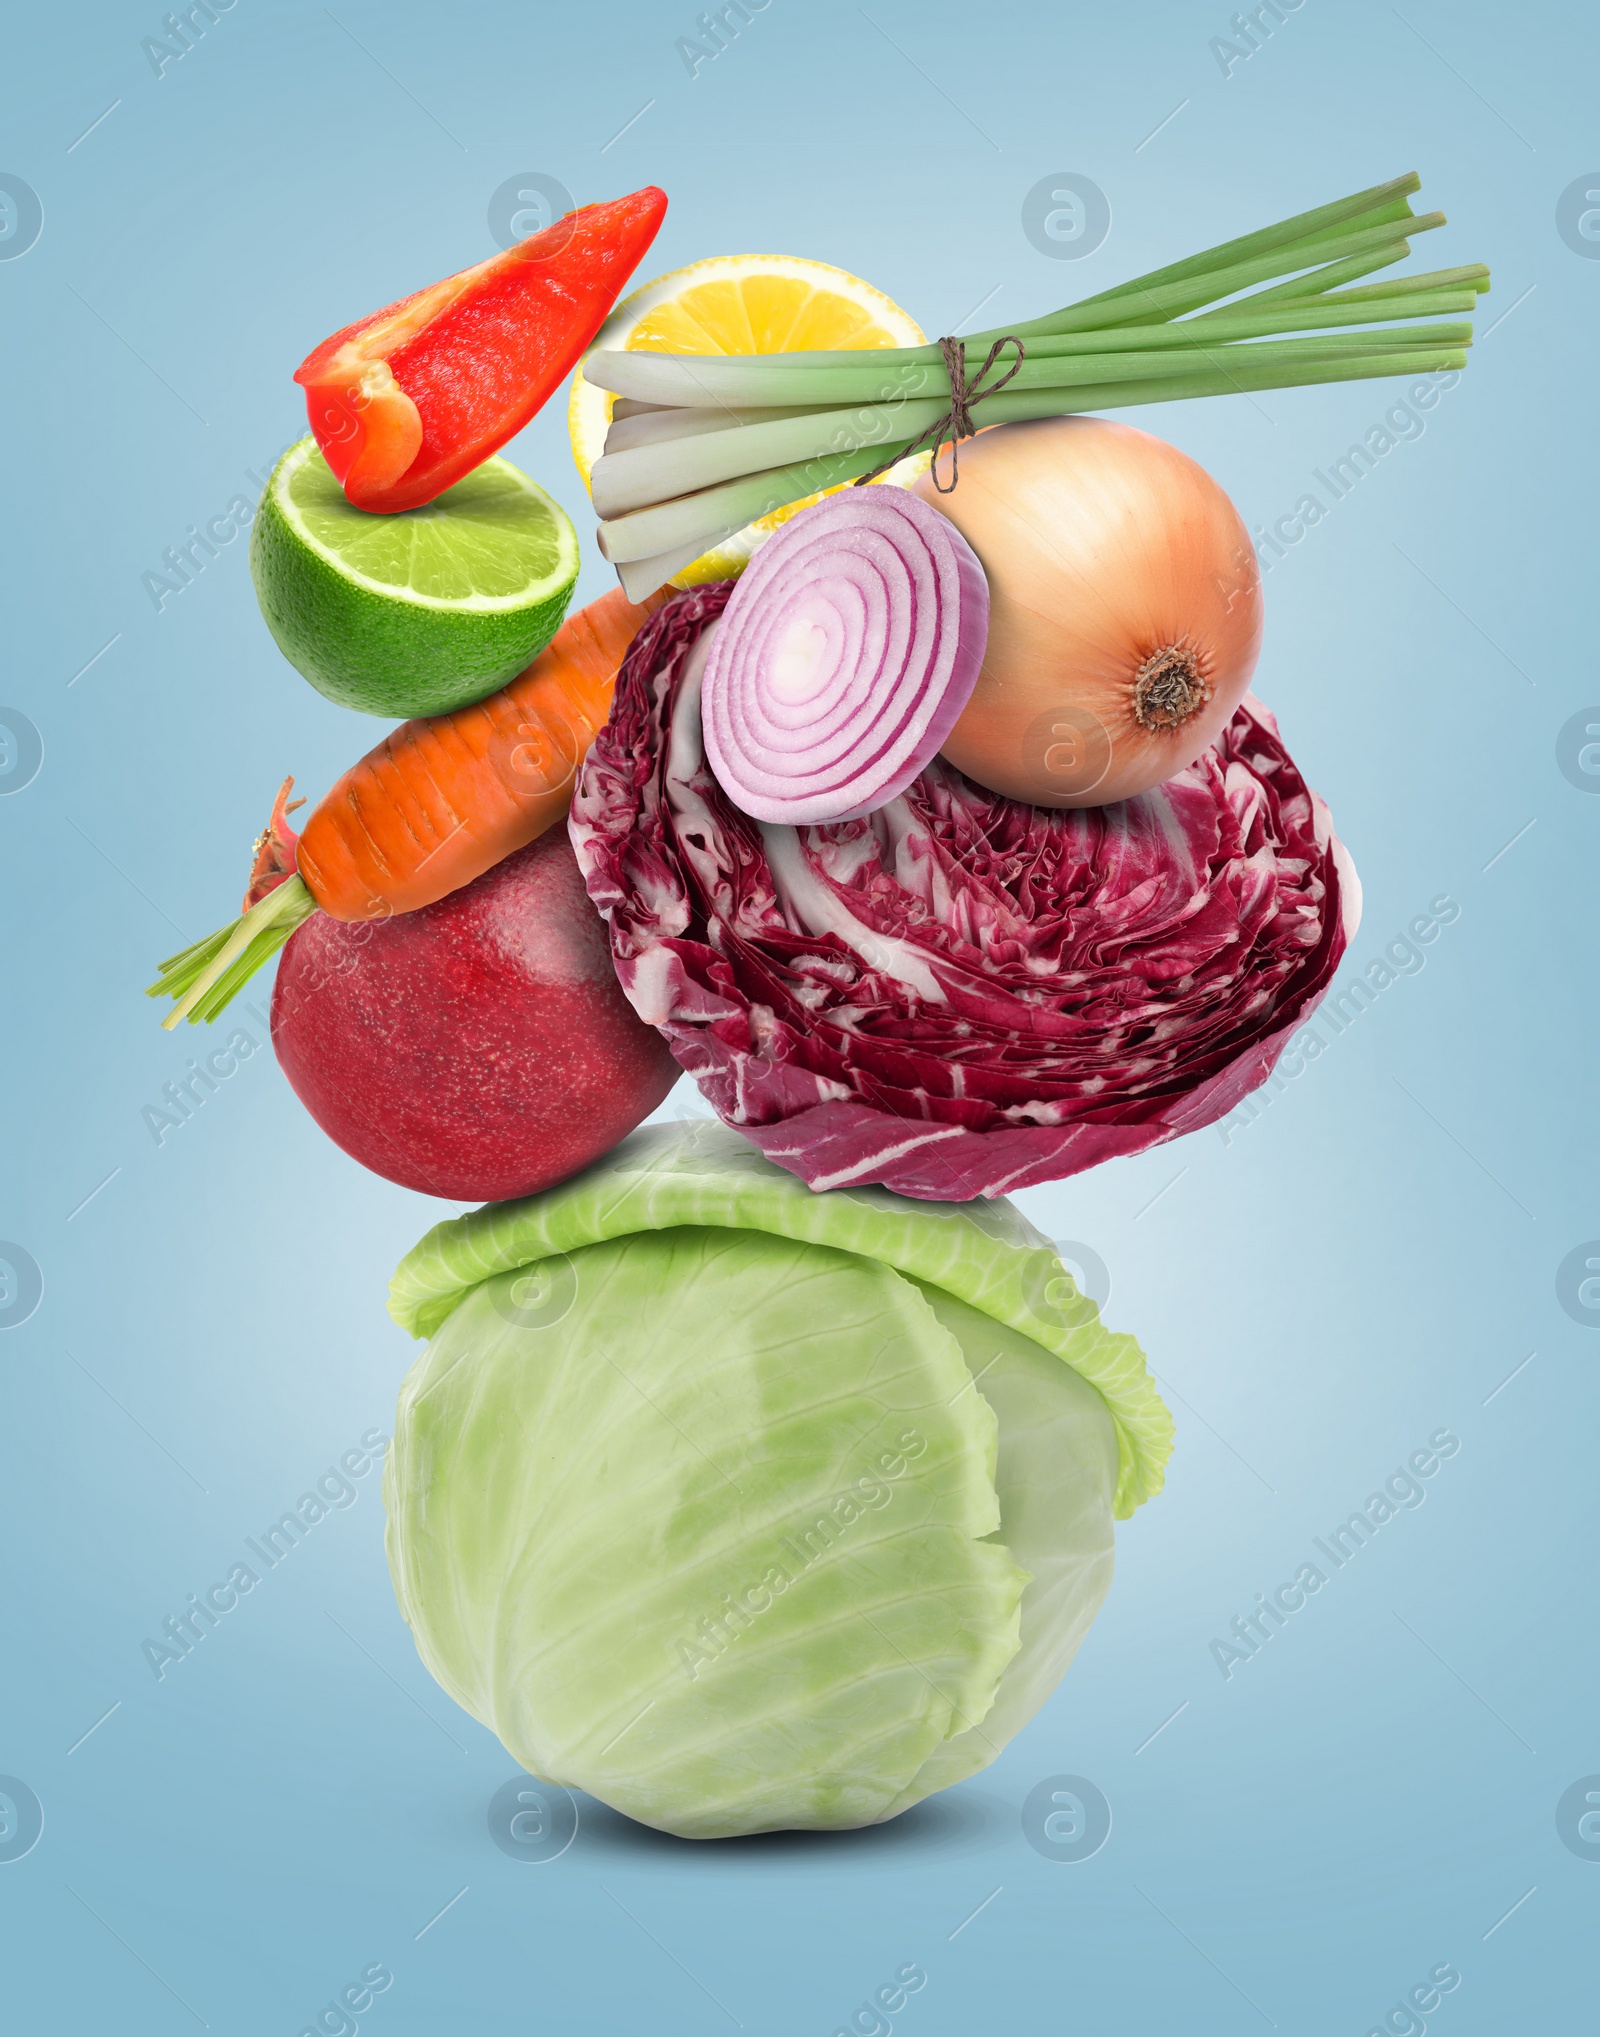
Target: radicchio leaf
x=958 y=995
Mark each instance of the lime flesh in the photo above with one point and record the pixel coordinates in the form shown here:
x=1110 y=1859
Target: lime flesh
x=416 y=613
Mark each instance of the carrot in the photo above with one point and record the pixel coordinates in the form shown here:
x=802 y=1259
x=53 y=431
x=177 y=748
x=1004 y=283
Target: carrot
x=443 y=799
x=438 y=802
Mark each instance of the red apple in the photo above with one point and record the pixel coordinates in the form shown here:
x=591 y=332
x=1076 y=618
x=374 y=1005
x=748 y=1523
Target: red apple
x=477 y=1049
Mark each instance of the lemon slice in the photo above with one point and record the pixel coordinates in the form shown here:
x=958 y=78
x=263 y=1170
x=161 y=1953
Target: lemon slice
x=742 y=304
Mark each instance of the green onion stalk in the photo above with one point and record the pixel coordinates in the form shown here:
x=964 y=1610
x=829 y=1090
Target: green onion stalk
x=700 y=446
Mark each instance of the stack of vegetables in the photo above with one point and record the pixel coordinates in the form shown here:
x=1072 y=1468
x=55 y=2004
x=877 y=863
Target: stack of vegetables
x=931 y=827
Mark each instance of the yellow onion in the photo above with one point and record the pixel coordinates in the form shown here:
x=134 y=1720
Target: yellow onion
x=1124 y=609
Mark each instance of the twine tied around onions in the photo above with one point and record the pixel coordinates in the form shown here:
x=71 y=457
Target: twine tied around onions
x=956 y=424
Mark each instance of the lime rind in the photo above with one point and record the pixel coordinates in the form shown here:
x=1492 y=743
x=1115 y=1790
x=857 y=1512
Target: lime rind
x=418 y=613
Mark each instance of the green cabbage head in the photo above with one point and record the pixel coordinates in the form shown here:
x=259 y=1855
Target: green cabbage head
x=744 y=1507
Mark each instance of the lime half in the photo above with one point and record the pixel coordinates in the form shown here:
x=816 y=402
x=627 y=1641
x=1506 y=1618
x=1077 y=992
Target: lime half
x=415 y=613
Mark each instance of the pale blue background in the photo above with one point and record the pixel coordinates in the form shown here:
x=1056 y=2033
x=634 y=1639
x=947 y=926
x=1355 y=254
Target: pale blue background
x=1365 y=1264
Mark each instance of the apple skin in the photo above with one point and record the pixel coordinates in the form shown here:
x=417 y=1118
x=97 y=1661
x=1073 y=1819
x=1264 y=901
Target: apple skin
x=477 y=1049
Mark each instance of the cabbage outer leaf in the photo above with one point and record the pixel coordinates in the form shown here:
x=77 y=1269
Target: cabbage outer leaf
x=985 y=1254
x=1055 y=1475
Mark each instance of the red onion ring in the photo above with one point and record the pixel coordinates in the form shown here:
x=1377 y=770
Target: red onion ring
x=844 y=658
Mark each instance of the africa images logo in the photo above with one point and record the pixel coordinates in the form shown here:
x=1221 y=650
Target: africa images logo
x=1403 y=1492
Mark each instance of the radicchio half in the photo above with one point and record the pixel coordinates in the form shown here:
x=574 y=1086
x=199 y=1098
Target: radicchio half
x=959 y=995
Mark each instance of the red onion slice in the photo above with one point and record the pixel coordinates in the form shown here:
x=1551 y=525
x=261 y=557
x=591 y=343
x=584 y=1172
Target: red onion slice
x=843 y=658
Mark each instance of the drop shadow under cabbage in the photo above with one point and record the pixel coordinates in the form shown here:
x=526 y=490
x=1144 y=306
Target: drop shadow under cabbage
x=957 y=1821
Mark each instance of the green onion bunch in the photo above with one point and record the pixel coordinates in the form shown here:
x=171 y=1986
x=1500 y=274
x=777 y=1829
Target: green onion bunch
x=701 y=445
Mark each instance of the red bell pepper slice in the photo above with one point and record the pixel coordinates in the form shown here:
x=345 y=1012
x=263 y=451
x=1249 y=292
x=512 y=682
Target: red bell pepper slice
x=408 y=400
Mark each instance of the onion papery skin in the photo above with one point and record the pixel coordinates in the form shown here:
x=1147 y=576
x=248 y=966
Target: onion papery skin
x=843 y=659
x=1103 y=547
x=961 y=994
